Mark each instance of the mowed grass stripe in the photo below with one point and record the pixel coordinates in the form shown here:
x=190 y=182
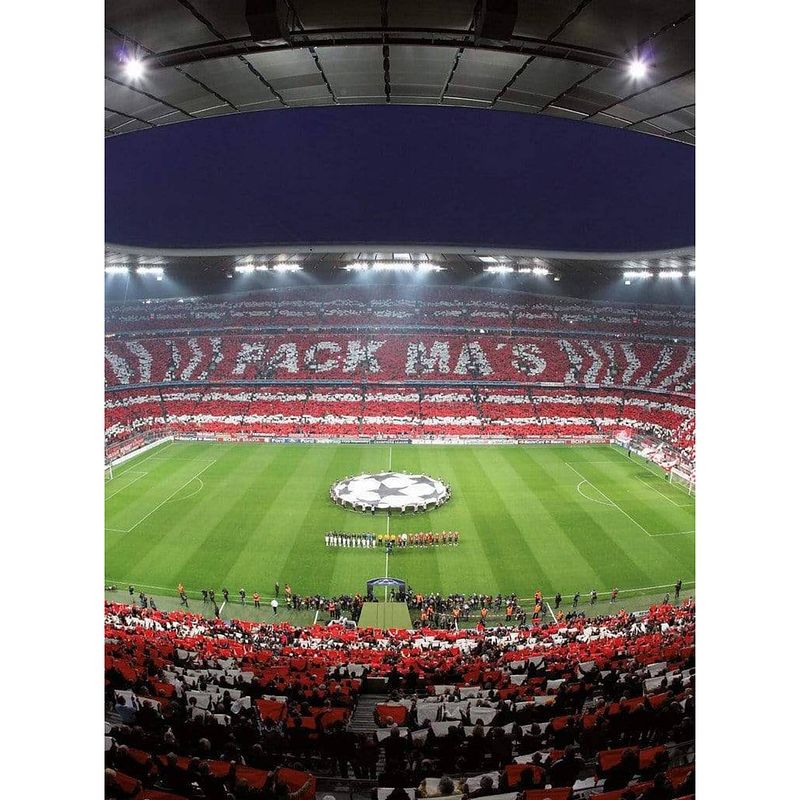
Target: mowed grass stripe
x=590 y=528
x=433 y=568
x=563 y=562
x=618 y=481
x=266 y=526
x=661 y=559
x=264 y=508
x=227 y=513
x=503 y=541
x=307 y=553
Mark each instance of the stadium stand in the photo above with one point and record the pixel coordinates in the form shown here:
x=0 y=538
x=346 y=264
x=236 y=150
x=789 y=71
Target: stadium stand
x=398 y=357
x=451 y=308
x=579 y=708
x=355 y=411
x=499 y=364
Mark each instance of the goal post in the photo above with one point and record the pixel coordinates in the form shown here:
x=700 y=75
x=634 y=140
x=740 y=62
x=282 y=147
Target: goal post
x=108 y=472
x=682 y=478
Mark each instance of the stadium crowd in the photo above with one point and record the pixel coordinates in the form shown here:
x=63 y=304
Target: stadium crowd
x=205 y=708
x=456 y=307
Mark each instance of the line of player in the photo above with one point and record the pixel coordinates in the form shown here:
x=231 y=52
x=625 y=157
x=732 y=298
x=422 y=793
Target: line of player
x=400 y=540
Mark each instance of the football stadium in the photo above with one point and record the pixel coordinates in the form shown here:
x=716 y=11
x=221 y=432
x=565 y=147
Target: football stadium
x=399 y=392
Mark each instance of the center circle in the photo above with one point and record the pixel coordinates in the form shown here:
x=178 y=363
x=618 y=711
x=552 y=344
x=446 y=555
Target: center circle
x=390 y=491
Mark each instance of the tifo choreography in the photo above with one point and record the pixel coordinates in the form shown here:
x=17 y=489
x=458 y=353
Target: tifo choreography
x=390 y=491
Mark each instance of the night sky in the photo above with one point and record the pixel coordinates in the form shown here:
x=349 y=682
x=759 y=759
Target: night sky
x=398 y=174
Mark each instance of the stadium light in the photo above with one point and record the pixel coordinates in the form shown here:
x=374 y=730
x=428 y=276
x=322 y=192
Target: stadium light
x=286 y=267
x=357 y=266
x=116 y=269
x=499 y=269
x=427 y=266
x=637 y=69
x=627 y=281
x=156 y=271
x=637 y=273
x=541 y=271
x=670 y=273
x=245 y=268
x=691 y=273
x=134 y=68
x=392 y=266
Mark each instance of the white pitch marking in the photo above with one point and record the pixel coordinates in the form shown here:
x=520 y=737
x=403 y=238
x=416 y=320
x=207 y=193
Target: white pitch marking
x=157 y=452
x=548 y=608
x=609 y=499
x=601 y=502
x=648 y=466
x=525 y=599
x=149 y=513
x=114 y=494
x=630 y=591
x=224 y=603
x=650 y=486
x=196 y=491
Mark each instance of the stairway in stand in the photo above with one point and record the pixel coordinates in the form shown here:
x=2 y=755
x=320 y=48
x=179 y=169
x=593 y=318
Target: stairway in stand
x=363 y=718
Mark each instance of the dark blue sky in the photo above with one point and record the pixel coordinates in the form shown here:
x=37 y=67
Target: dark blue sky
x=396 y=174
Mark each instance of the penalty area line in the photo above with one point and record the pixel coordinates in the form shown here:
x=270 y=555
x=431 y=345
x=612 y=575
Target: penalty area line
x=603 y=494
x=163 y=502
x=123 y=488
x=666 y=497
x=157 y=451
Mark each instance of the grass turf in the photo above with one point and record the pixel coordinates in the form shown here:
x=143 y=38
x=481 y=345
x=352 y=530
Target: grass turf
x=249 y=515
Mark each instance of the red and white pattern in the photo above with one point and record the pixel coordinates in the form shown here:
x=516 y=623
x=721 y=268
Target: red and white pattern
x=449 y=308
x=353 y=411
x=399 y=357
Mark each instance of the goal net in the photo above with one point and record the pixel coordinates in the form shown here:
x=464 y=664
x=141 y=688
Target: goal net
x=682 y=478
x=108 y=472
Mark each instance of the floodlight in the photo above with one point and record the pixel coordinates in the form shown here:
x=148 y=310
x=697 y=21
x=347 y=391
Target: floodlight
x=499 y=269
x=541 y=271
x=391 y=266
x=427 y=266
x=245 y=268
x=357 y=266
x=691 y=273
x=134 y=68
x=670 y=273
x=116 y=269
x=637 y=273
x=150 y=271
x=637 y=69
x=286 y=267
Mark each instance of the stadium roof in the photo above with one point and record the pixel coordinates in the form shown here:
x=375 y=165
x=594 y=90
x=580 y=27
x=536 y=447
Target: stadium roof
x=133 y=272
x=563 y=58
x=460 y=261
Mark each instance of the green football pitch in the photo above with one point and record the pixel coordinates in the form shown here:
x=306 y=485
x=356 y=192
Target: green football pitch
x=560 y=518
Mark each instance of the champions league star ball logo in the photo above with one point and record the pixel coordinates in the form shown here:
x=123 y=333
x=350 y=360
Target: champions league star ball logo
x=392 y=491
